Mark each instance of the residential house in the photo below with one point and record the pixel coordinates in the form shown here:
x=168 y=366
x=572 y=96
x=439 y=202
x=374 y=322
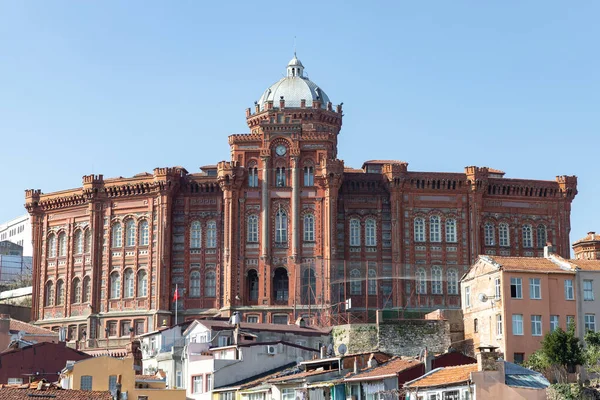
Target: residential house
x=42 y=360
x=116 y=375
x=45 y=390
x=22 y=333
x=588 y=290
x=511 y=302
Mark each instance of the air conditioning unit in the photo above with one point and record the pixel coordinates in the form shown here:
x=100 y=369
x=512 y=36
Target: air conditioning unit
x=271 y=349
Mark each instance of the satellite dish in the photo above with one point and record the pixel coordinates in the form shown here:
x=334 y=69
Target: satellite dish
x=482 y=297
x=342 y=349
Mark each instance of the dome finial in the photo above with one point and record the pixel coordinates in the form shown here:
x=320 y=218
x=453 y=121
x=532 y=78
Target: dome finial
x=295 y=67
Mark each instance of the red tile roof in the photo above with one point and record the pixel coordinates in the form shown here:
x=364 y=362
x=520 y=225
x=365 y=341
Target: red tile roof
x=16 y=326
x=529 y=264
x=390 y=368
x=49 y=391
x=300 y=375
x=587 y=265
x=590 y=237
x=444 y=376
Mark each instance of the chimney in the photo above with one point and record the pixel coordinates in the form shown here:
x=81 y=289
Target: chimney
x=548 y=250
x=486 y=358
x=427 y=360
x=323 y=350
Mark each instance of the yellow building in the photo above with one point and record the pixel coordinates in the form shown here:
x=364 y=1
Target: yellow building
x=117 y=375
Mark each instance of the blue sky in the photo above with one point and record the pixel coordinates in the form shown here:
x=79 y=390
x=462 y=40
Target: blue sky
x=121 y=87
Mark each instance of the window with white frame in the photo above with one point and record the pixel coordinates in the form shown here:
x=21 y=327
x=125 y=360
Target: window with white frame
x=226 y=396
x=372 y=286
x=198 y=384
x=49 y=294
x=419 y=229
x=309 y=176
x=503 y=234
x=451 y=230
x=78 y=239
x=252 y=229
x=210 y=284
x=195 y=284
x=288 y=394
x=517 y=324
x=535 y=288
x=588 y=290
x=354 y=232
x=130 y=233
x=62 y=244
x=590 y=322
x=76 y=295
x=115 y=285
x=142 y=283
x=309 y=228
x=144 y=233
x=498 y=324
x=434 y=229
x=467 y=296
x=52 y=245
x=209 y=382
x=195 y=235
x=527 y=236
x=542 y=236
x=129 y=283
x=452 y=281
x=497 y=289
x=281 y=226
x=421 y=281
x=211 y=234
x=117 y=235
x=569 y=293
x=488 y=234
x=253 y=177
x=15 y=381
x=553 y=323
x=252 y=319
x=355 y=282
x=436 y=280
x=570 y=320
x=370 y=232
x=516 y=288
x=60 y=292
x=536 y=325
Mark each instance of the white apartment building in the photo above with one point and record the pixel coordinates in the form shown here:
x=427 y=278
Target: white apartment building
x=18 y=231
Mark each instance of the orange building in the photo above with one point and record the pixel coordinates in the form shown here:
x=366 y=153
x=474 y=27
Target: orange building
x=281 y=230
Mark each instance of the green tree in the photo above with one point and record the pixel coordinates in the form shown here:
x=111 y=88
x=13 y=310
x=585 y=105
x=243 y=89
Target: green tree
x=592 y=352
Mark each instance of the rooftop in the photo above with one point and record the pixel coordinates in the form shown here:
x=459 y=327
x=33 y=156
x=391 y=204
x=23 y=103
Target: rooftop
x=590 y=237
x=445 y=376
x=528 y=264
x=290 y=328
x=49 y=391
x=389 y=369
x=16 y=326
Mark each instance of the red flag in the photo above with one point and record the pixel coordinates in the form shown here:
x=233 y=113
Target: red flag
x=176 y=294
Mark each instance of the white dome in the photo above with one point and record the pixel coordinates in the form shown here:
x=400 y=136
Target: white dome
x=293 y=88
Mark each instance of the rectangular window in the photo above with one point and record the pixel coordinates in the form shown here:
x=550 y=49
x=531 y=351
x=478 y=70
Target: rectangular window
x=112 y=329
x=112 y=383
x=224 y=341
x=125 y=328
x=139 y=327
x=226 y=396
x=519 y=358
x=85 y=382
x=536 y=325
x=198 y=384
x=288 y=394
x=280 y=319
x=516 y=288
x=252 y=319
x=499 y=324
x=570 y=320
x=535 y=288
x=15 y=381
x=209 y=382
x=569 y=294
x=497 y=288
x=467 y=296
x=309 y=177
x=553 y=323
x=179 y=380
x=590 y=322
x=588 y=290
x=517 y=322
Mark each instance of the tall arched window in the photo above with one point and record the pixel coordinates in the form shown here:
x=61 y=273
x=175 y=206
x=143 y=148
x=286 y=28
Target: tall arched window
x=421 y=281
x=542 y=236
x=195 y=284
x=355 y=282
x=452 y=281
x=52 y=245
x=370 y=232
x=309 y=228
x=115 y=285
x=436 y=280
x=210 y=284
x=309 y=177
x=87 y=246
x=60 y=292
x=49 y=294
x=451 y=230
x=76 y=297
x=62 y=244
x=253 y=177
x=87 y=289
x=354 y=232
x=281 y=284
x=130 y=233
x=78 y=242
x=488 y=234
x=281 y=226
x=280 y=176
x=252 y=285
x=434 y=229
x=372 y=286
x=309 y=286
x=419 y=230
x=527 y=236
x=504 y=234
x=142 y=283
x=211 y=234
x=117 y=235
x=196 y=235
x=144 y=233
x=252 y=229
x=129 y=283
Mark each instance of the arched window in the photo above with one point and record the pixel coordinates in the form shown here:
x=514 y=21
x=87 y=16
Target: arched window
x=355 y=282
x=488 y=234
x=504 y=234
x=211 y=234
x=309 y=228
x=309 y=177
x=210 y=284
x=117 y=235
x=434 y=229
x=281 y=226
x=87 y=246
x=281 y=284
x=419 y=230
x=280 y=176
x=252 y=285
x=196 y=235
x=78 y=239
x=436 y=280
x=542 y=236
x=87 y=290
x=354 y=232
x=421 y=281
x=309 y=286
x=252 y=229
x=372 y=286
x=129 y=283
x=52 y=245
x=130 y=233
x=115 y=285
x=527 y=236
x=452 y=281
x=142 y=283
x=253 y=177
x=370 y=232
x=49 y=295
x=195 y=284
x=60 y=292
x=76 y=297
x=62 y=244
x=144 y=233
x=451 y=230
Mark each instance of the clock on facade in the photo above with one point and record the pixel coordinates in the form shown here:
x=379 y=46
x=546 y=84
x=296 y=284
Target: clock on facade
x=280 y=150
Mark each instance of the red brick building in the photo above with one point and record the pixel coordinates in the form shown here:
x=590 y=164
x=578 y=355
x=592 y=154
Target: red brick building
x=284 y=229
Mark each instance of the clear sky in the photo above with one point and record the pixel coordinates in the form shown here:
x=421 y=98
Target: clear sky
x=122 y=87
